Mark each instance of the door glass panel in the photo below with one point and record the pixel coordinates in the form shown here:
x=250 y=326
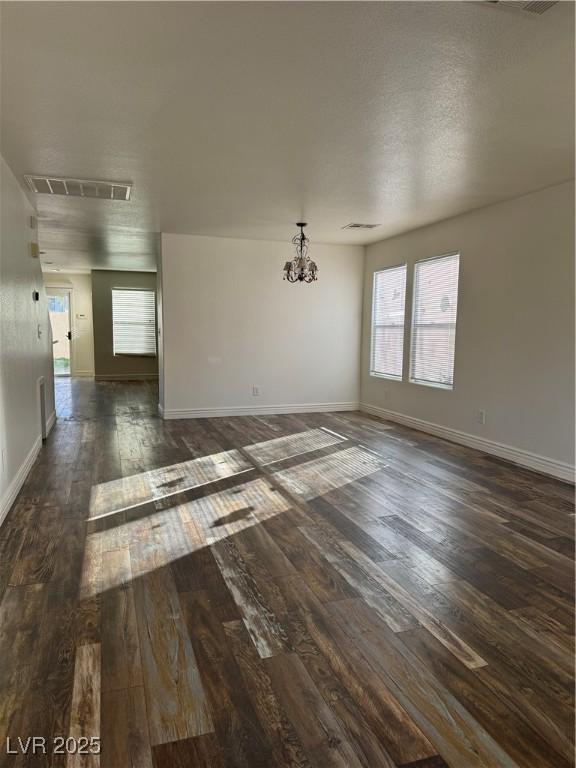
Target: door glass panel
x=59 y=311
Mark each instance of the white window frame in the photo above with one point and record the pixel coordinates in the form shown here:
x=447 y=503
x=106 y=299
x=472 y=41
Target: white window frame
x=411 y=379
x=133 y=354
x=377 y=374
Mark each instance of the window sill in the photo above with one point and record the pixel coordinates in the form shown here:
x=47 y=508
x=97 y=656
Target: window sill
x=385 y=376
x=134 y=354
x=433 y=384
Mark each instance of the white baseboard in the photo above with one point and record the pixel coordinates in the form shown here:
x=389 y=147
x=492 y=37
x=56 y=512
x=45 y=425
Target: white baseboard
x=125 y=376
x=534 y=461
x=251 y=410
x=83 y=374
x=18 y=481
x=50 y=421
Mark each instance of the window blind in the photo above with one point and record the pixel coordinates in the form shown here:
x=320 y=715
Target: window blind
x=388 y=322
x=434 y=321
x=134 y=321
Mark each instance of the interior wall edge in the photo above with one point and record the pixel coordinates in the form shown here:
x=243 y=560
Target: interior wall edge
x=50 y=421
x=26 y=358
x=19 y=478
x=543 y=464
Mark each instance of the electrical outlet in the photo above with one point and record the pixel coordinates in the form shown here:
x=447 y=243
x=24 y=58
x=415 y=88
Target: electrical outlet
x=480 y=416
x=256 y=390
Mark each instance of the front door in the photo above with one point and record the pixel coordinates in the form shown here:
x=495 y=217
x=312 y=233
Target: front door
x=59 y=311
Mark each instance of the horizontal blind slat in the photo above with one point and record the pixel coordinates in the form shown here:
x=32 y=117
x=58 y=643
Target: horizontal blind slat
x=388 y=302
x=434 y=321
x=134 y=321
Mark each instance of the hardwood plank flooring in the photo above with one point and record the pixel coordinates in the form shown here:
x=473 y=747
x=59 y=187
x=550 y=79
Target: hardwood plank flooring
x=302 y=590
x=85 y=708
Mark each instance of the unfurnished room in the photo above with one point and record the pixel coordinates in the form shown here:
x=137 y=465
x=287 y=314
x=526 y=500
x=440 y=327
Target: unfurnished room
x=287 y=363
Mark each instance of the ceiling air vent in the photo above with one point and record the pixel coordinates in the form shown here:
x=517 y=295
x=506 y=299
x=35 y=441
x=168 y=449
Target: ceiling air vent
x=101 y=190
x=354 y=225
x=535 y=6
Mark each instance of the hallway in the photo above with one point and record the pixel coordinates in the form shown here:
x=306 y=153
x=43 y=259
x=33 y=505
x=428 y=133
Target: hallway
x=319 y=589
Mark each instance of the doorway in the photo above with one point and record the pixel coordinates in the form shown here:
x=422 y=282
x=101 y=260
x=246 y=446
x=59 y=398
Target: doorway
x=59 y=300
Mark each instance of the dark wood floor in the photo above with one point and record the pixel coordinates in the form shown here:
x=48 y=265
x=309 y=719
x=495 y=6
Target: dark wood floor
x=311 y=590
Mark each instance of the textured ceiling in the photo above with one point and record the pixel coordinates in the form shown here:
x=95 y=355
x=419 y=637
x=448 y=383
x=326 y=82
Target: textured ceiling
x=238 y=119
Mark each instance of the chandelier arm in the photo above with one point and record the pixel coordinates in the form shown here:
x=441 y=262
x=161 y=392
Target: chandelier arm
x=301 y=268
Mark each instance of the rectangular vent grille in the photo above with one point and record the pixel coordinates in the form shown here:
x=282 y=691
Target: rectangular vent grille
x=100 y=190
x=533 y=6
x=360 y=226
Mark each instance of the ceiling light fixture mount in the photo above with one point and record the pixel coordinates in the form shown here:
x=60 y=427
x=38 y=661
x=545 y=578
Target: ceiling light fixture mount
x=301 y=269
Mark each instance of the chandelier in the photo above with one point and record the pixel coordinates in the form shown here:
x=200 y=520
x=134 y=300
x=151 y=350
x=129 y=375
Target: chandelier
x=301 y=269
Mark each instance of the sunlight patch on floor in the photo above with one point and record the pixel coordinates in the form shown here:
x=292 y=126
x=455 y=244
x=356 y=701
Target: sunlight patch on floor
x=164 y=536
x=155 y=538
x=126 y=492
x=280 y=448
x=319 y=476
x=228 y=512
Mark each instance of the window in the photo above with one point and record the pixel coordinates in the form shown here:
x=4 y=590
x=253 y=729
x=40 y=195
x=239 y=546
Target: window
x=434 y=321
x=388 y=322
x=134 y=321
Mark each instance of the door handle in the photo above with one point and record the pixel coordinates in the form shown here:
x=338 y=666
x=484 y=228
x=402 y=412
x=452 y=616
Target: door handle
x=69 y=335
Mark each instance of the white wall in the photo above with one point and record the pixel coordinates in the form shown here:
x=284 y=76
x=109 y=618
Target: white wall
x=230 y=321
x=81 y=318
x=23 y=356
x=515 y=332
